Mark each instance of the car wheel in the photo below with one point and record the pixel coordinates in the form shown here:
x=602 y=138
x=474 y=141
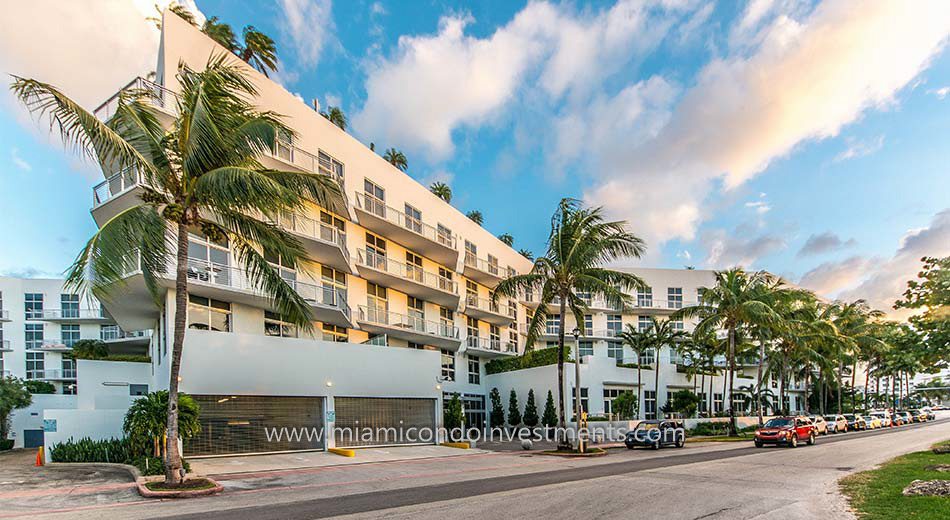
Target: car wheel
x=680 y=442
x=794 y=442
x=656 y=445
x=758 y=443
x=812 y=439
x=629 y=446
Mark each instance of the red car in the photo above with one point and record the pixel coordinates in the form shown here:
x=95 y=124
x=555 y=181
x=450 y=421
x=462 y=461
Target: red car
x=786 y=431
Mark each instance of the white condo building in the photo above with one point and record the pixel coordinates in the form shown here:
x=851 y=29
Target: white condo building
x=400 y=288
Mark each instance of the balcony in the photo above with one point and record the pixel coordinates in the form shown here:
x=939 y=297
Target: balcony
x=324 y=243
x=482 y=271
x=50 y=346
x=123 y=342
x=52 y=374
x=649 y=306
x=164 y=101
x=408 y=278
x=4 y=316
x=75 y=316
x=5 y=345
x=409 y=328
x=490 y=348
x=415 y=234
x=116 y=194
x=603 y=334
x=486 y=310
x=286 y=153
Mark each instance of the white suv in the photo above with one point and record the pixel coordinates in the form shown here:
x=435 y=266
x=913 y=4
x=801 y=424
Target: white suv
x=820 y=424
x=836 y=424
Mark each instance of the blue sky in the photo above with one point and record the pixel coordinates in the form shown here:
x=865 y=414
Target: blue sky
x=725 y=133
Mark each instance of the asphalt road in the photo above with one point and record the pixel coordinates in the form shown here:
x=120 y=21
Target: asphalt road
x=734 y=483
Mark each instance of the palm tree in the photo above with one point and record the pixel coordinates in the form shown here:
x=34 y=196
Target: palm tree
x=527 y=254
x=738 y=299
x=336 y=116
x=175 y=8
x=202 y=175
x=221 y=33
x=441 y=190
x=259 y=50
x=507 y=239
x=640 y=345
x=396 y=158
x=580 y=243
x=660 y=334
x=475 y=216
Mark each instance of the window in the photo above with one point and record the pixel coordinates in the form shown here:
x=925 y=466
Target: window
x=276 y=325
x=375 y=252
x=334 y=286
x=448 y=365
x=208 y=260
x=645 y=297
x=328 y=223
x=416 y=346
x=494 y=335
x=649 y=404
x=414 y=267
x=676 y=325
x=644 y=323
x=136 y=390
x=417 y=314
x=208 y=314
x=474 y=371
x=413 y=219
x=70 y=334
x=446 y=321
x=588 y=324
x=551 y=325
x=674 y=297
x=374 y=198
x=584 y=401
x=69 y=368
x=471 y=254
x=445 y=280
x=648 y=358
x=512 y=340
x=69 y=303
x=615 y=350
x=512 y=310
x=609 y=395
x=717 y=403
x=492 y=265
x=585 y=348
x=471 y=294
x=33 y=335
x=287 y=270
x=377 y=303
x=444 y=236
x=614 y=325
x=334 y=333
x=35 y=365
x=471 y=329
x=738 y=402
x=703 y=402
x=33 y=303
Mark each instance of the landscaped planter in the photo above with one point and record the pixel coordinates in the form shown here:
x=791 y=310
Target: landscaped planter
x=208 y=487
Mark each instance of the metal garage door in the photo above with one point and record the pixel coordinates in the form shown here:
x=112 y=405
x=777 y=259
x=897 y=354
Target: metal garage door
x=380 y=421
x=257 y=424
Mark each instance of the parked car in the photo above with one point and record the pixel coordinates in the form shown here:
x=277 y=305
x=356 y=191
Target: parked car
x=906 y=416
x=898 y=419
x=855 y=422
x=836 y=424
x=885 y=418
x=656 y=434
x=918 y=415
x=872 y=422
x=786 y=431
x=820 y=424
x=930 y=413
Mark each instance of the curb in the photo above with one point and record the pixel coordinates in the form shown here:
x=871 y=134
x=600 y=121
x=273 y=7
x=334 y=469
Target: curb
x=132 y=470
x=601 y=453
x=148 y=493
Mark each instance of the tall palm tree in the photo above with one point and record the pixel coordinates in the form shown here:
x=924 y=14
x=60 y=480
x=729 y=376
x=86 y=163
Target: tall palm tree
x=527 y=254
x=640 y=345
x=175 y=8
x=202 y=176
x=221 y=33
x=506 y=239
x=441 y=190
x=660 y=334
x=737 y=299
x=259 y=50
x=475 y=216
x=580 y=243
x=856 y=323
x=396 y=158
x=336 y=116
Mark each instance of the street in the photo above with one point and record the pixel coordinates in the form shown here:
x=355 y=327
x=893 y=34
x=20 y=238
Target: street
x=704 y=480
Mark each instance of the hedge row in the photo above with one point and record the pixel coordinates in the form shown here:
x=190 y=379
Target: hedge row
x=532 y=358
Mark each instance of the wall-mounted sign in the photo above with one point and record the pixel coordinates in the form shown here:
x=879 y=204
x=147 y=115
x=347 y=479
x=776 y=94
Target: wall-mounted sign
x=331 y=416
x=49 y=425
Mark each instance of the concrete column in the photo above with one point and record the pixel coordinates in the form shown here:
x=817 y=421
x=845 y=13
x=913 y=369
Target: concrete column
x=329 y=412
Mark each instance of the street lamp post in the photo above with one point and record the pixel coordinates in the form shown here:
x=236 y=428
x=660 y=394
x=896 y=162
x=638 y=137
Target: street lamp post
x=577 y=388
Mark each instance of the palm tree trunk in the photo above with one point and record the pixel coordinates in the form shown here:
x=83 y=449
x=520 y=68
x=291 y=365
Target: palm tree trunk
x=656 y=382
x=854 y=397
x=807 y=380
x=732 y=370
x=758 y=381
x=710 y=398
x=560 y=375
x=821 y=390
x=702 y=385
x=639 y=386
x=838 y=381
x=867 y=383
x=173 y=464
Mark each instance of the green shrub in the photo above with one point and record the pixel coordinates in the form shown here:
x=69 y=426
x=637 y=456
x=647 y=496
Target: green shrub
x=6 y=444
x=514 y=414
x=117 y=451
x=685 y=402
x=89 y=349
x=530 y=418
x=128 y=358
x=146 y=420
x=39 y=387
x=453 y=415
x=497 y=416
x=549 y=417
x=710 y=428
x=625 y=405
x=530 y=359
x=154 y=465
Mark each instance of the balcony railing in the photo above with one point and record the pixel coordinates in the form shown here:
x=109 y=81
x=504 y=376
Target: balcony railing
x=236 y=278
x=115 y=334
x=74 y=314
x=50 y=345
x=604 y=333
x=321 y=163
x=5 y=345
x=472 y=301
x=410 y=272
x=485 y=266
x=156 y=95
x=317 y=230
x=484 y=344
x=115 y=185
x=396 y=320
x=377 y=207
x=52 y=374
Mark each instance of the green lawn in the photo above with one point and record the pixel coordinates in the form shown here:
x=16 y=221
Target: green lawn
x=876 y=494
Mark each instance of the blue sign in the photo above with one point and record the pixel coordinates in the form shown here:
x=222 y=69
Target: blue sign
x=331 y=416
x=49 y=425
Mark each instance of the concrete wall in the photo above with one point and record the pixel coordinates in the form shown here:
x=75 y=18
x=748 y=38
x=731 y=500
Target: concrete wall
x=105 y=384
x=76 y=424
x=31 y=417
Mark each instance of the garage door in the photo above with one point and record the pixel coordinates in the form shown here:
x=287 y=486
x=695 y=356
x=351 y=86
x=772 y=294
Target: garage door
x=257 y=424
x=381 y=421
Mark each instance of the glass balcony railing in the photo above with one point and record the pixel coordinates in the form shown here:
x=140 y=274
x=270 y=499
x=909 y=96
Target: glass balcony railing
x=52 y=374
x=115 y=185
x=378 y=208
x=74 y=314
x=316 y=230
x=472 y=301
x=485 y=266
x=416 y=324
x=156 y=95
x=406 y=271
x=116 y=334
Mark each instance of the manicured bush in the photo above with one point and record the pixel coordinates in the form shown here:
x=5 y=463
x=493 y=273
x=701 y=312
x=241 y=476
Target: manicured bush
x=514 y=414
x=146 y=420
x=6 y=444
x=39 y=387
x=549 y=417
x=684 y=402
x=625 y=405
x=453 y=416
x=89 y=349
x=117 y=451
x=530 y=418
x=497 y=416
x=530 y=359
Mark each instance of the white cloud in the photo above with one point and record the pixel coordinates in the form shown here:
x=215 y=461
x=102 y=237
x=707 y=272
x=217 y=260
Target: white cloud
x=828 y=278
x=940 y=93
x=804 y=79
x=377 y=8
x=309 y=24
x=437 y=176
x=826 y=242
x=726 y=250
x=857 y=148
x=19 y=161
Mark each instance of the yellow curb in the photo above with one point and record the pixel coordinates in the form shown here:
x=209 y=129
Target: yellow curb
x=343 y=452
x=459 y=445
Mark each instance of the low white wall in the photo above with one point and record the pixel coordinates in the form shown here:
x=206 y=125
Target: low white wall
x=104 y=385
x=76 y=424
x=31 y=417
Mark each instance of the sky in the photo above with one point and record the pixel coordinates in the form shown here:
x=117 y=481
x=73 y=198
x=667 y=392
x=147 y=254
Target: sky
x=807 y=138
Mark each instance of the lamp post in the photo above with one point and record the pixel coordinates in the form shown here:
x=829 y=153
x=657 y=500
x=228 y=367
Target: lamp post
x=577 y=387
